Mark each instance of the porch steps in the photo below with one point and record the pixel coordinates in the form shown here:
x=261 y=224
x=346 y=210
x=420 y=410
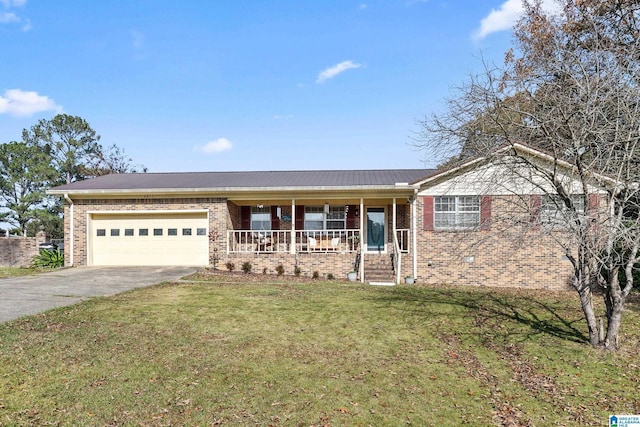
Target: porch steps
x=378 y=269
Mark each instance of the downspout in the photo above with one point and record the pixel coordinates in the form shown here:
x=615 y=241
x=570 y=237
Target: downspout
x=66 y=197
x=414 y=226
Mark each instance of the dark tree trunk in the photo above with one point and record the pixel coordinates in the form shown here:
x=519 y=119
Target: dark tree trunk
x=614 y=302
x=589 y=314
x=613 y=327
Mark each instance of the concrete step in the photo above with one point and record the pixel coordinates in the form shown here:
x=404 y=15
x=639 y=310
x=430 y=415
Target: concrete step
x=382 y=283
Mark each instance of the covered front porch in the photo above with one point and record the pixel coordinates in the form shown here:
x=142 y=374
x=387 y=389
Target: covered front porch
x=340 y=232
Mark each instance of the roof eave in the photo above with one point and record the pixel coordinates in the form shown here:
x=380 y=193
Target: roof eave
x=399 y=188
x=519 y=149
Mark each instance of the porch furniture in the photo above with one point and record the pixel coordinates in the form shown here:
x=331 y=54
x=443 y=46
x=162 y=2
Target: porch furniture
x=263 y=242
x=313 y=243
x=334 y=243
x=324 y=244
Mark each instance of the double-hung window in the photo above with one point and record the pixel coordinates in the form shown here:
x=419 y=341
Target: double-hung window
x=261 y=218
x=320 y=218
x=456 y=212
x=335 y=218
x=555 y=213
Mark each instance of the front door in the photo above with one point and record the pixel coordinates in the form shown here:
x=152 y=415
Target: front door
x=375 y=230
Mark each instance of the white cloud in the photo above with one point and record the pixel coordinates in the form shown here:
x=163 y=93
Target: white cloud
x=6 y=17
x=25 y=103
x=506 y=16
x=13 y=3
x=331 y=72
x=9 y=17
x=213 y=147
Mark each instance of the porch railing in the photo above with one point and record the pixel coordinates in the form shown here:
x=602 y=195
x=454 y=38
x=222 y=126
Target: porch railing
x=403 y=240
x=304 y=241
x=396 y=258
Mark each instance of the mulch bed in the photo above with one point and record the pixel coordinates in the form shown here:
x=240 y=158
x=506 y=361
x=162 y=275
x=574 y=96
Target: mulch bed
x=254 y=277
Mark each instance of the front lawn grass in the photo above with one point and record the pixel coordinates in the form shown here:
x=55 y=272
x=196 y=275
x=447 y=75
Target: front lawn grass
x=6 y=272
x=222 y=351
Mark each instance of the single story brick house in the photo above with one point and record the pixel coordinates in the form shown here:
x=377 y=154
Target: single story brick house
x=437 y=226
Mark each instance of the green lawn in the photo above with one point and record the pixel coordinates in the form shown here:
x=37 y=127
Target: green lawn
x=6 y=272
x=224 y=351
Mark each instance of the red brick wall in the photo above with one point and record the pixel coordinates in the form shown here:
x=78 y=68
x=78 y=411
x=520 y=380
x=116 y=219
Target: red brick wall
x=510 y=254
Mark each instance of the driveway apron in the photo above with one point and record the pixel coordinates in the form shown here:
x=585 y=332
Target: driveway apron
x=27 y=295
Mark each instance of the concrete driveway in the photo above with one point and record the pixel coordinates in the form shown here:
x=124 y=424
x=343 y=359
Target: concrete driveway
x=23 y=296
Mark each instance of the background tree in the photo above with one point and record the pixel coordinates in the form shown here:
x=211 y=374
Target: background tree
x=53 y=152
x=24 y=175
x=570 y=88
x=113 y=160
x=47 y=219
x=70 y=143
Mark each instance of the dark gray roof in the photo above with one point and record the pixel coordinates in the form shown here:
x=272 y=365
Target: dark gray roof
x=257 y=179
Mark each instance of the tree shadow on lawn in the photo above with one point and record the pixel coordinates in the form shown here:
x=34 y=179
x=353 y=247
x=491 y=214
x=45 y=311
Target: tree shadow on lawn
x=494 y=312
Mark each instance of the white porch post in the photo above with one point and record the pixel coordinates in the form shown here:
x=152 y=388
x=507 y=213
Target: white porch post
x=394 y=226
x=292 y=248
x=414 y=226
x=362 y=214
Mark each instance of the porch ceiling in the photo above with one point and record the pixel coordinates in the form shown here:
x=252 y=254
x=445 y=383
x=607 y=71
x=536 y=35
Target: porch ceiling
x=319 y=201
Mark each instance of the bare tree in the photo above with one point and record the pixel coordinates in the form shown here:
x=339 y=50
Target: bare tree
x=112 y=160
x=572 y=92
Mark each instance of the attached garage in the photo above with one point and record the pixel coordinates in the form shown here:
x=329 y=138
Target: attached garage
x=156 y=238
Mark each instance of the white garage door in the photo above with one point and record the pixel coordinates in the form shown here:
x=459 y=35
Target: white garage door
x=149 y=239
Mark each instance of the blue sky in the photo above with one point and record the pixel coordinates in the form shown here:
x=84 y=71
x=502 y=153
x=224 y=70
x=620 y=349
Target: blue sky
x=246 y=84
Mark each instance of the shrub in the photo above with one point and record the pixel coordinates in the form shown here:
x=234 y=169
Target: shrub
x=315 y=275
x=230 y=266
x=330 y=276
x=280 y=269
x=49 y=258
x=246 y=267
x=297 y=271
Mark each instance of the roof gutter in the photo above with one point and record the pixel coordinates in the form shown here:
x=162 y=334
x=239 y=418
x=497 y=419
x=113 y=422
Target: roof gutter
x=233 y=190
x=68 y=199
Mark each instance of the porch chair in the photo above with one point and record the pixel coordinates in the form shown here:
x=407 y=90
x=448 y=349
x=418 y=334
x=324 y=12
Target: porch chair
x=312 y=243
x=334 y=243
